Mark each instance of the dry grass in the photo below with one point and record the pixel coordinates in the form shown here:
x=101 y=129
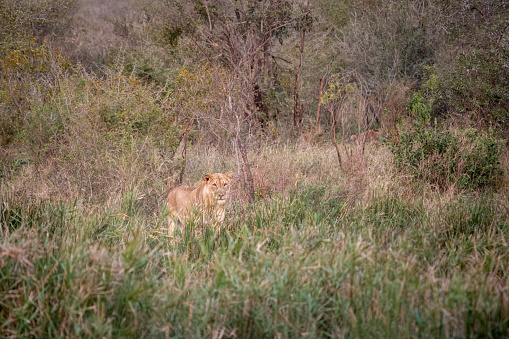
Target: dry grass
x=101 y=26
x=322 y=251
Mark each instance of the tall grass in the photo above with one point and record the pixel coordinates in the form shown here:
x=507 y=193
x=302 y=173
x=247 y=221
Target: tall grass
x=308 y=260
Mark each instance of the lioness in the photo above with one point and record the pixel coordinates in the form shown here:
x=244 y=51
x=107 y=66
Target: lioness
x=209 y=198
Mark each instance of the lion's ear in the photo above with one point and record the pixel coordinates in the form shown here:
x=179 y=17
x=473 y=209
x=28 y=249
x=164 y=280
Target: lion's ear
x=207 y=178
x=229 y=175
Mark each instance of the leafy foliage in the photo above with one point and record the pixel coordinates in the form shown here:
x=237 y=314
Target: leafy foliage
x=30 y=78
x=442 y=158
x=24 y=22
x=473 y=68
x=476 y=86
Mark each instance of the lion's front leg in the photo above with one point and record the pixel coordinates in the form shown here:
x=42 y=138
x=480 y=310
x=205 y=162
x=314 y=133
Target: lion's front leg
x=171 y=226
x=219 y=217
x=174 y=223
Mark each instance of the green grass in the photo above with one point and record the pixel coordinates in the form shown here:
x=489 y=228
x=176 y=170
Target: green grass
x=303 y=265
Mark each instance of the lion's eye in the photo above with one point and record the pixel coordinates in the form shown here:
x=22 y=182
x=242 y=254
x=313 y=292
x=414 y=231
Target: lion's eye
x=214 y=185
x=225 y=185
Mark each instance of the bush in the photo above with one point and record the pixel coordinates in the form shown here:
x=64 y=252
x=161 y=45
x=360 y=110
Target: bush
x=29 y=78
x=388 y=43
x=95 y=131
x=476 y=87
x=467 y=158
x=24 y=22
x=112 y=130
x=472 y=68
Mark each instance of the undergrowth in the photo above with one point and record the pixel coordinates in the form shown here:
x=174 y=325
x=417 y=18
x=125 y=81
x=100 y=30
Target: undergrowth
x=302 y=265
x=466 y=158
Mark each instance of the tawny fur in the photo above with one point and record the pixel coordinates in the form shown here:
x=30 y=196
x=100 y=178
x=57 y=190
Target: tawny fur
x=208 y=198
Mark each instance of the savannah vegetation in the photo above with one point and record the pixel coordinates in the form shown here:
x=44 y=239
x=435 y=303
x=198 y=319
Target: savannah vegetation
x=107 y=105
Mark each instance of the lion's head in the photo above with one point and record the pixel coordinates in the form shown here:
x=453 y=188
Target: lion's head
x=217 y=187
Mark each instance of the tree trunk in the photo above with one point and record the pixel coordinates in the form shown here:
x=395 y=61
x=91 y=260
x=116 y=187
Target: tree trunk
x=267 y=69
x=333 y=134
x=183 y=137
x=246 y=171
x=320 y=93
x=297 y=108
x=184 y=155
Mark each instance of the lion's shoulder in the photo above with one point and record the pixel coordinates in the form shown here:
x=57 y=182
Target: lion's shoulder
x=184 y=188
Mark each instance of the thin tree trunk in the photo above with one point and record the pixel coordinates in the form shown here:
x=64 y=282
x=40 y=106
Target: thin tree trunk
x=333 y=133
x=184 y=156
x=208 y=15
x=267 y=69
x=240 y=172
x=297 y=108
x=184 y=137
x=320 y=93
x=246 y=169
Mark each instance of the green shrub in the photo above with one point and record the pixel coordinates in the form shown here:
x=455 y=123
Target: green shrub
x=24 y=22
x=481 y=160
x=29 y=77
x=472 y=68
x=95 y=129
x=468 y=158
x=148 y=64
x=476 y=86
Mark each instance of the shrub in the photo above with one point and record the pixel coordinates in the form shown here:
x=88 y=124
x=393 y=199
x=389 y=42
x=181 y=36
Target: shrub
x=96 y=131
x=385 y=43
x=471 y=70
x=112 y=130
x=29 y=77
x=481 y=160
x=467 y=158
x=24 y=22
x=475 y=86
